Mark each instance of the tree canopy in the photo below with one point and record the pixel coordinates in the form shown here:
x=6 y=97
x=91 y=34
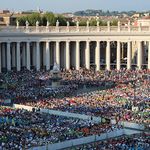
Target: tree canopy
x=51 y=18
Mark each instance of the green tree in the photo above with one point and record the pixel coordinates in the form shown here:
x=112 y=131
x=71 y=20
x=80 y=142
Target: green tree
x=83 y=22
x=62 y=20
x=72 y=23
x=50 y=17
x=114 y=22
x=33 y=18
x=22 y=20
x=93 y=22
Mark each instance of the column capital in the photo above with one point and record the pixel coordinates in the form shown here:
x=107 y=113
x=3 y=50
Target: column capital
x=88 y=41
x=118 y=41
x=57 y=41
x=78 y=41
x=108 y=41
x=67 y=41
x=28 y=41
x=8 y=42
x=139 y=40
x=98 y=41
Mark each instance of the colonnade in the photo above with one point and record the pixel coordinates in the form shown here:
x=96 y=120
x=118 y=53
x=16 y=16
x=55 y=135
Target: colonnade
x=67 y=54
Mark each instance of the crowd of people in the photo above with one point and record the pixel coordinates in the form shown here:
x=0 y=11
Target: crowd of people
x=21 y=129
x=121 y=95
x=128 y=99
x=134 y=142
x=26 y=85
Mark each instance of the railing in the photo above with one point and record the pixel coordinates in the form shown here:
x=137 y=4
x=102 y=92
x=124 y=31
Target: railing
x=81 y=116
x=86 y=140
x=60 y=113
x=73 y=29
x=130 y=125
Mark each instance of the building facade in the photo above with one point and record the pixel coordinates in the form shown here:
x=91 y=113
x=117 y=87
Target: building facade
x=102 y=47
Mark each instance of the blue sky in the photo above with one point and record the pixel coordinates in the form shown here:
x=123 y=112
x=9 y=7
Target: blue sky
x=74 y=5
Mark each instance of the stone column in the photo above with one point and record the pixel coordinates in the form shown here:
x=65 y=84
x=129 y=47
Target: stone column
x=3 y=55
x=18 y=57
x=47 y=56
x=77 y=55
x=67 y=55
x=0 y=59
x=97 y=56
x=129 y=55
x=57 y=53
x=108 y=56
x=13 y=55
x=28 y=63
x=122 y=50
x=87 y=55
x=149 y=55
x=8 y=57
x=44 y=53
x=23 y=55
x=34 y=54
x=139 y=57
x=118 y=55
x=37 y=56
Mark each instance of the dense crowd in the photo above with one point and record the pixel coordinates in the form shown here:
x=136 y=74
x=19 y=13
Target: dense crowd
x=120 y=95
x=31 y=85
x=21 y=129
x=134 y=142
x=127 y=100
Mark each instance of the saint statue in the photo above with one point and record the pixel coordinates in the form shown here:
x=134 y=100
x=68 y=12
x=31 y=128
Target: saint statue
x=17 y=23
x=87 y=23
x=47 y=23
x=27 y=24
x=68 y=24
x=77 y=24
x=57 y=23
x=37 y=23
